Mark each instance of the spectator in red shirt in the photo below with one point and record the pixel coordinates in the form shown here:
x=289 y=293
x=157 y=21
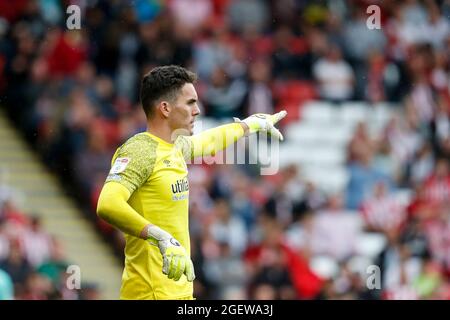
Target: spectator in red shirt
x=68 y=54
x=274 y=263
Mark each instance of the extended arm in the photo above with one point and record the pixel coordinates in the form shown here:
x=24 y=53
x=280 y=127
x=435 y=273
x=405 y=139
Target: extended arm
x=211 y=141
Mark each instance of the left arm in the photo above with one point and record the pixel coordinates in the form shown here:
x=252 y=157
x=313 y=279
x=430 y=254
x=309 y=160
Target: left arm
x=211 y=141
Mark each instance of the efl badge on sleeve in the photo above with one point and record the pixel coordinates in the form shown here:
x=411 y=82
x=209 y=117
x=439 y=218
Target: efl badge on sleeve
x=119 y=165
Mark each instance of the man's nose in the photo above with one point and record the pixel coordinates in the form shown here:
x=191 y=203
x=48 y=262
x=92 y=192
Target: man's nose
x=196 y=111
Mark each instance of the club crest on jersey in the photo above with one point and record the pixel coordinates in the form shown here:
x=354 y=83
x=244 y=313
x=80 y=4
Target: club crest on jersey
x=119 y=165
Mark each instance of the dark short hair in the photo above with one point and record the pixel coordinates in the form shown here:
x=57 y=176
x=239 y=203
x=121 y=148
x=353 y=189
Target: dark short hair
x=163 y=82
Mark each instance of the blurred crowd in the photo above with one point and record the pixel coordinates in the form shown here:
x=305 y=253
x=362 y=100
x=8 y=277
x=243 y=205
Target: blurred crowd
x=74 y=95
x=33 y=265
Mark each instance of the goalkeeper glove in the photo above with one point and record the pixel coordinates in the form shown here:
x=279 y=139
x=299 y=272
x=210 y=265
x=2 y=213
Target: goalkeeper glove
x=176 y=261
x=264 y=122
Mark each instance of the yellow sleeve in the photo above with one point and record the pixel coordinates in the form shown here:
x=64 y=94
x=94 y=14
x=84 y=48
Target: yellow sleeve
x=133 y=162
x=113 y=207
x=209 y=142
x=131 y=166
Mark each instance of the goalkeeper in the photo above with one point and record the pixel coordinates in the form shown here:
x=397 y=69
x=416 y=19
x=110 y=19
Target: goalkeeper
x=146 y=192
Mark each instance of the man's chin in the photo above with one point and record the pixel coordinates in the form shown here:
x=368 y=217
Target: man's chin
x=188 y=131
x=191 y=129
x=181 y=132
x=185 y=131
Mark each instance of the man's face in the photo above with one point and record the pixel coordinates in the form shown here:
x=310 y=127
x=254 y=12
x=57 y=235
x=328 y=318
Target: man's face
x=184 y=110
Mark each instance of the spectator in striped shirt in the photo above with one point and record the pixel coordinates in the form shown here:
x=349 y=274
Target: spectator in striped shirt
x=383 y=211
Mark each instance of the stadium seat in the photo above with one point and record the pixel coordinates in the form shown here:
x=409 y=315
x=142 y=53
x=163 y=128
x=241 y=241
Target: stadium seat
x=289 y=154
x=339 y=135
x=330 y=178
x=354 y=112
x=336 y=134
x=292 y=94
x=313 y=155
x=318 y=141
x=318 y=112
x=304 y=132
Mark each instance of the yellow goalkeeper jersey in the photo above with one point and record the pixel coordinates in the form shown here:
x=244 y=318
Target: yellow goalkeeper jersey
x=155 y=173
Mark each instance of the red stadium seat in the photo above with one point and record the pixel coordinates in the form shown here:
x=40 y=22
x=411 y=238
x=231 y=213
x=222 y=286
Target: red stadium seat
x=292 y=94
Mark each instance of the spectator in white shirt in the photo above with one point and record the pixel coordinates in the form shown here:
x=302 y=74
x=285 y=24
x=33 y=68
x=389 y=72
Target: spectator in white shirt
x=334 y=76
x=37 y=243
x=335 y=230
x=437 y=27
x=191 y=13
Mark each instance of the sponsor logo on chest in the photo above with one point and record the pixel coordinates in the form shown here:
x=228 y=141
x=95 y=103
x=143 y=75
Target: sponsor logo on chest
x=181 y=185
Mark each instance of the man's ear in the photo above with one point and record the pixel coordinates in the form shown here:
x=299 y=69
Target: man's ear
x=165 y=108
